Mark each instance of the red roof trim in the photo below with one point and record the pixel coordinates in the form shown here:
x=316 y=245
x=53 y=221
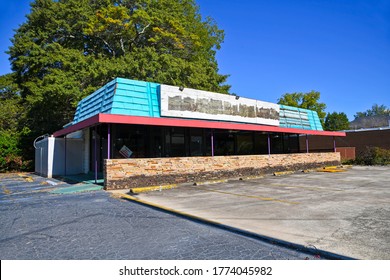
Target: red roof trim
x=122 y=119
x=78 y=126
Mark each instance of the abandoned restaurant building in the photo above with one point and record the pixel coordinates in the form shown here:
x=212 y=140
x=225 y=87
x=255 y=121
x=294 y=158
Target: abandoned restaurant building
x=135 y=133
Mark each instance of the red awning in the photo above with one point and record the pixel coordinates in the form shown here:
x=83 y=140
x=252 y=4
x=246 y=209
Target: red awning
x=122 y=119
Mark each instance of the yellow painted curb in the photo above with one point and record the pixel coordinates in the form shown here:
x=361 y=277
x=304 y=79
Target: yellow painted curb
x=152 y=188
x=331 y=170
x=251 y=177
x=331 y=167
x=210 y=182
x=282 y=173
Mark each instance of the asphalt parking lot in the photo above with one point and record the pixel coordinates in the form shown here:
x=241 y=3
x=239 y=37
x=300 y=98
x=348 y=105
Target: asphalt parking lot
x=347 y=213
x=47 y=219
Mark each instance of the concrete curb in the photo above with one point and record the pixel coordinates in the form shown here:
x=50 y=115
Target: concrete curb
x=275 y=241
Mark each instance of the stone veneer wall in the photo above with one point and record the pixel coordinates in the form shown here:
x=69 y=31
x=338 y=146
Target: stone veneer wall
x=140 y=172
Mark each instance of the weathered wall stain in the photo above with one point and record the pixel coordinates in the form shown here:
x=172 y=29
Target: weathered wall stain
x=219 y=107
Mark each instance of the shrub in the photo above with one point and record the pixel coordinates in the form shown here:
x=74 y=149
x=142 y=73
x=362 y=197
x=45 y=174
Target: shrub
x=10 y=154
x=374 y=156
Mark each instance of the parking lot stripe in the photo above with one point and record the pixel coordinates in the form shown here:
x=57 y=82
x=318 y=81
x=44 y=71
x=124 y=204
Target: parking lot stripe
x=251 y=196
x=306 y=188
x=5 y=190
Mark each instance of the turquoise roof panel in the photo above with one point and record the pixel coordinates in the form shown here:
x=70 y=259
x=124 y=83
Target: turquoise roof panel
x=293 y=117
x=98 y=102
x=123 y=97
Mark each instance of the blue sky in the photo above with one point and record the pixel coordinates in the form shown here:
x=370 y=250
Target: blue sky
x=340 y=48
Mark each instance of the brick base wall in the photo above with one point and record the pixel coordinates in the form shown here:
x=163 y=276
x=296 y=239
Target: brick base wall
x=347 y=153
x=128 y=173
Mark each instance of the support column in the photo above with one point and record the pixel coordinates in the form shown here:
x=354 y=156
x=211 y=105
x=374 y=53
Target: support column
x=334 y=144
x=65 y=155
x=108 y=141
x=95 y=152
x=212 y=142
x=307 y=144
x=269 y=145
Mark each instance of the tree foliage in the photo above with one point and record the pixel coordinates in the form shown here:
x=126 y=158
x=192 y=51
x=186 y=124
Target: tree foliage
x=376 y=110
x=10 y=109
x=68 y=48
x=10 y=115
x=309 y=100
x=336 y=121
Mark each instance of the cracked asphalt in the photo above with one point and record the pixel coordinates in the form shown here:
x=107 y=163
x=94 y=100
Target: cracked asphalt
x=36 y=225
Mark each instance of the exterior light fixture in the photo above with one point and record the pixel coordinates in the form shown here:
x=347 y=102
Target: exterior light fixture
x=237 y=97
x=181 y=88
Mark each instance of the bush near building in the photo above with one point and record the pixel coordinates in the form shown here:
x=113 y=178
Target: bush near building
x=373 y=156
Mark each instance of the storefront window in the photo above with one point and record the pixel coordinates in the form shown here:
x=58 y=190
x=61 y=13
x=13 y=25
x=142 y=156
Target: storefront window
x=174 y=142
x=244 y=143
x=261 y=143
x=277 y=143
x=130 y=138
x=196 y=142
x=223 y=143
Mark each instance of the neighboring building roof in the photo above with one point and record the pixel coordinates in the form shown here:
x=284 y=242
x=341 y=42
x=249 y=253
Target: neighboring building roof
x=139 y=102
x=368 y=129
x=370 y=122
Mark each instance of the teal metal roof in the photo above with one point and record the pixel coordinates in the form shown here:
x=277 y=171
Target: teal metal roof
x=293 y=117
x=139 y=98
x=122 y=97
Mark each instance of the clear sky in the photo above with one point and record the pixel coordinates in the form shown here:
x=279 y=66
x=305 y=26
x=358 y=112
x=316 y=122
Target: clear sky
x=340 y=48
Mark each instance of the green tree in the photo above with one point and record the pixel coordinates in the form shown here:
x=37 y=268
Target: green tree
x=336 y=121
x=10 y=109
x=376 y=110
x=68 y=48
x=10 y=115
x=309 y=100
